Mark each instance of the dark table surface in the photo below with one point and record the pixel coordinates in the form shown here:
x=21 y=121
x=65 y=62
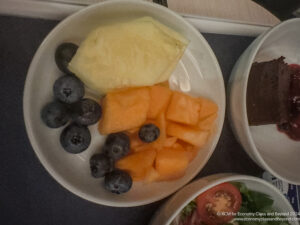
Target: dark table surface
x=28 y=194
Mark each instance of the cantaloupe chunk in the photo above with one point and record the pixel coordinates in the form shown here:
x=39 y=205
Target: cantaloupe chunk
x=138 y=145
x=170 y=141
x=124 y=110
x=191 y=150
x=133 y=130
x=188 y=134
x=208 y=107
x=162 y=125
x=183 y=109
x=146 y=146
x=151 y=175
x=159 y=100
x=137 y=164
x=208 y=122
x=135 y=141
x=171 y=163
x=177 y=146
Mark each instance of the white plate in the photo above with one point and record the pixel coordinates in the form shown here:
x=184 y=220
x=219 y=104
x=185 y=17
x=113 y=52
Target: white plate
x=198 y=66
x=271 y=149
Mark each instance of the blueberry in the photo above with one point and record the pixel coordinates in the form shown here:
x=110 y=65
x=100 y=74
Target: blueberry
x=118 y=182
x=55 y=114
x=149 y=133
x=75 y=138
x=63 y=55
x=117 y=145
x=68 y=89
x=100 y=165
x=86 y=112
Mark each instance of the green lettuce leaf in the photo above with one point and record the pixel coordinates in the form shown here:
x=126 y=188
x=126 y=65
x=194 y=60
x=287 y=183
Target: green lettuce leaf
x=188 y=209
x=252 y=202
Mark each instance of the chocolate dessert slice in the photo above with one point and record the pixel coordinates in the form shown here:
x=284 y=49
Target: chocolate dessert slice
x=268 y=92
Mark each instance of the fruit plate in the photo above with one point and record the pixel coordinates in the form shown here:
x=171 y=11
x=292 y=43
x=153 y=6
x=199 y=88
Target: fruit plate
x=197 y=73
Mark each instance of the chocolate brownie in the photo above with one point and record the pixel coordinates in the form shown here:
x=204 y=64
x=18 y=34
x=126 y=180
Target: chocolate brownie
x=268 y=92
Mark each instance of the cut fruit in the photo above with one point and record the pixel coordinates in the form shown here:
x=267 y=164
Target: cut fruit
x=191 y=151
x=139 y=52
x=133 y=130
x=124 y=110
x=135 y=141
x=171 y=163
x=138 y=145
x=161 y=122
x=170 y=141
x=190 y=135
x=178 y=146
x=145 y=146
x=184 y=122
x=208 y=122
x=208 y=107
x=151 y=175
x=137 y=164
x=183 y=109
x=159 y=100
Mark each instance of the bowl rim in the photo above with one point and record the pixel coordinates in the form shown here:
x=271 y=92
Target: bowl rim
x=26 y=109
x=246 y=126
x=222 y=178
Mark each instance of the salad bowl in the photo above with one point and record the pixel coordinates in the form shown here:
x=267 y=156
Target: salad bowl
x=250 y=188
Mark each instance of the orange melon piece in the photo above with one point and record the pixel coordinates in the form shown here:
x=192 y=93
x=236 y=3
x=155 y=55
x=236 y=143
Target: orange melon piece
x=137 y=144
x=170 y=141
x=191 y=150
x=133 y=130
x=171 y=163
x=135 y=141
x=162 y=125
x=208 y=107
x=159 y=100
x=151 y=175
x=188 y=134
x=192 y=153
x=208 y=122
x=178 y=146
x=124 y=110
x=137 y=164
x=145 y=146
x=183 y=109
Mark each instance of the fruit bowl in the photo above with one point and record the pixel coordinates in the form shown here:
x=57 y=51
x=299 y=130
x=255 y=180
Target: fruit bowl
x=198 y=74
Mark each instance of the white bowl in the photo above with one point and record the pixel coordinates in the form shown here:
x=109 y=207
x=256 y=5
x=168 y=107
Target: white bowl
x=268 y=147
x=166 y=214
x=198 y=69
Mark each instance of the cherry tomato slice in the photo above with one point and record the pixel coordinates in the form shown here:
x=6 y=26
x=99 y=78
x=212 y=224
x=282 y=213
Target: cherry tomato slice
x=216 y=205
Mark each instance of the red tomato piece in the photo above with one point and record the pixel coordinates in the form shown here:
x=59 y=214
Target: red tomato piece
x=217 y=205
